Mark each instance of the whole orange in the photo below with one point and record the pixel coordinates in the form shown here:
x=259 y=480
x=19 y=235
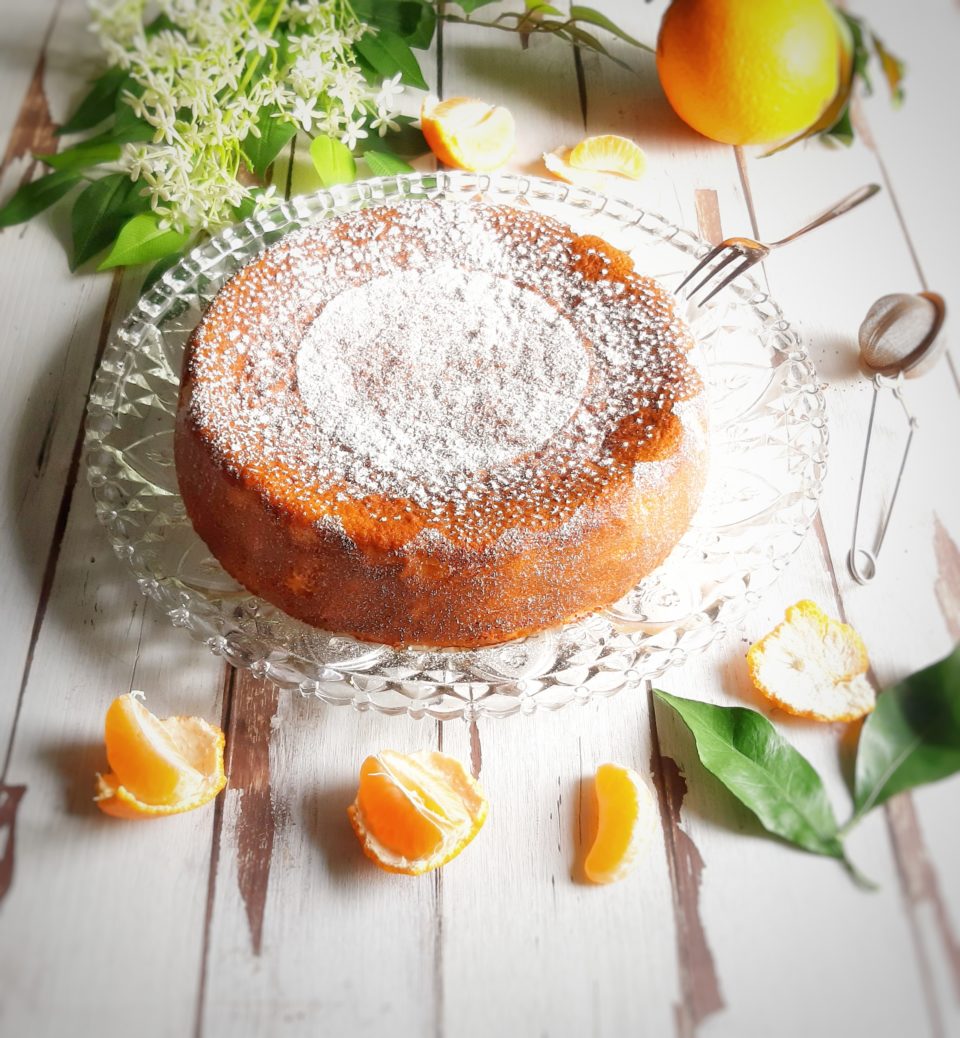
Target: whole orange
x=749 y=71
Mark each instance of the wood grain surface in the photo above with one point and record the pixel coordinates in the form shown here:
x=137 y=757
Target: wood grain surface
x=258 y=916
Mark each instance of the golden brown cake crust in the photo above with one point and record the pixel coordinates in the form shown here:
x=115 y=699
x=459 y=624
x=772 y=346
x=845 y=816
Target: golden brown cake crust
x=495 y=522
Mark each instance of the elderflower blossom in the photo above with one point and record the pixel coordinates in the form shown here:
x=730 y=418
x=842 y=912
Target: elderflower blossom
x=206 y=74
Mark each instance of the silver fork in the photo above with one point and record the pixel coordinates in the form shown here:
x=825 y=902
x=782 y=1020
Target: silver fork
x=752 y=252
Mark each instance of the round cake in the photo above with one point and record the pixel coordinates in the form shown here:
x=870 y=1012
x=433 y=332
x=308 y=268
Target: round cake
x=440 y=423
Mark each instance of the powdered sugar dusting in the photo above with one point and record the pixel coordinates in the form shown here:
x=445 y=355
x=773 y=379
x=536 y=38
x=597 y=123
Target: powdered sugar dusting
x=423 y=374
x=481 y=364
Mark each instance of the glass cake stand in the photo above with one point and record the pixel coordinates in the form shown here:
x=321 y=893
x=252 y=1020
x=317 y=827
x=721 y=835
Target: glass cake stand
x=768 y=458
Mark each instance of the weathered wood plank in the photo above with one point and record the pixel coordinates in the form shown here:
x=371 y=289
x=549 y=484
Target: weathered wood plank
x=739 y=938
x=303 y=933
x=125 y=883
x=518 y=921
x=907 y=141
x=120 y=904
x=900 y=614
x=556 y=956
x=26 y=34
x=51 y=336
x=918 y=151
x=780 y=922
x=306 y=934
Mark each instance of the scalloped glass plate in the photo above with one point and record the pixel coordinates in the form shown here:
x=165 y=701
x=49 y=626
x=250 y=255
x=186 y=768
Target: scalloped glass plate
x=768 y=460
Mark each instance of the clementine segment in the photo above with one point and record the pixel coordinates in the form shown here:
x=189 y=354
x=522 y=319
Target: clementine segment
x=600 y=163
x=468 y=134
x=158 y=767
x=626 y=822
x=609 y=153
x=415 y=812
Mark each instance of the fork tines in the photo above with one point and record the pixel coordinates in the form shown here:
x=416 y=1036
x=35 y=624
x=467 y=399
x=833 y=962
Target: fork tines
x=729 y=251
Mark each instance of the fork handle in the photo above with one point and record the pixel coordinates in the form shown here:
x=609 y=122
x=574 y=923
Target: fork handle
x=844 y=206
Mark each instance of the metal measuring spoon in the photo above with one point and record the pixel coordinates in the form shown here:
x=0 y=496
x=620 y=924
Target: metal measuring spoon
x=901 y=337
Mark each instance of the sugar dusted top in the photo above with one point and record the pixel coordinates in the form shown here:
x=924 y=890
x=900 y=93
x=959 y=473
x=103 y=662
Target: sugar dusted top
x=439 y=372
x=463 y=367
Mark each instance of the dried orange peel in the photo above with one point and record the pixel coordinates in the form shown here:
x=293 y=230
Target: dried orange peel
x=158 y=766
x=415 y=812
x=468 y=134
x=813 y=666
x=598 y=163
x=626 y=821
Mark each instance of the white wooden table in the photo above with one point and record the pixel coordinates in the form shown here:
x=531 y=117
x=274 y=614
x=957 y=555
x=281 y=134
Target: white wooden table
x=258 y=916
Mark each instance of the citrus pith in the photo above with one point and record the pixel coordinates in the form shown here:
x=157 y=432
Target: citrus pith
x=813 y=666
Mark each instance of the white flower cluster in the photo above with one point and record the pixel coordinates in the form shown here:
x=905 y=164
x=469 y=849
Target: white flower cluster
x=202 y=72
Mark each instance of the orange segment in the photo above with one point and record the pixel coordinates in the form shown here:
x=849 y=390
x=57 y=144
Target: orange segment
x=557 y=163
x=609 y=153
x=813 y=666
x=599 y=163
x=415 y=812
x=627 y=819
x=468 y=134
x=158 y=767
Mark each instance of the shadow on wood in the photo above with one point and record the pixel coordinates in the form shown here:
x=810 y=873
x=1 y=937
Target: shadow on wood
x=76 y=765
x=326 y=822
x=584 y=816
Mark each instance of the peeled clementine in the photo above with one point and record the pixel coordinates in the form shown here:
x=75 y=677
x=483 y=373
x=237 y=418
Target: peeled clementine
x=157 y=767
x=749 y=72
x=415 y=812
x=813 y=666
x=468 y=134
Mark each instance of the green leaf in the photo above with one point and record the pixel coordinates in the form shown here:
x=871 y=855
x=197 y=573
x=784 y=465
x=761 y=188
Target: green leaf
x=332 y=161
x=763 y=771
x=275 y=133
x=245 y=209
x=248 y=206
x=383 y=164
x=141 y=239
x=36 y=196
x=842 y=129
x=588 y=40
x=127 y=122
x=129 y=128
x=161 y=24
x=99 y=212
x=99 y=103
x=913 y=735
x=588 y=14
x=893 y=68
x=860 y=53
x=406 y=142
x=469 y=6
x=85 y=154
x=157 y=271
x=105 y=147
x=387 y=53
x=414 y=20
